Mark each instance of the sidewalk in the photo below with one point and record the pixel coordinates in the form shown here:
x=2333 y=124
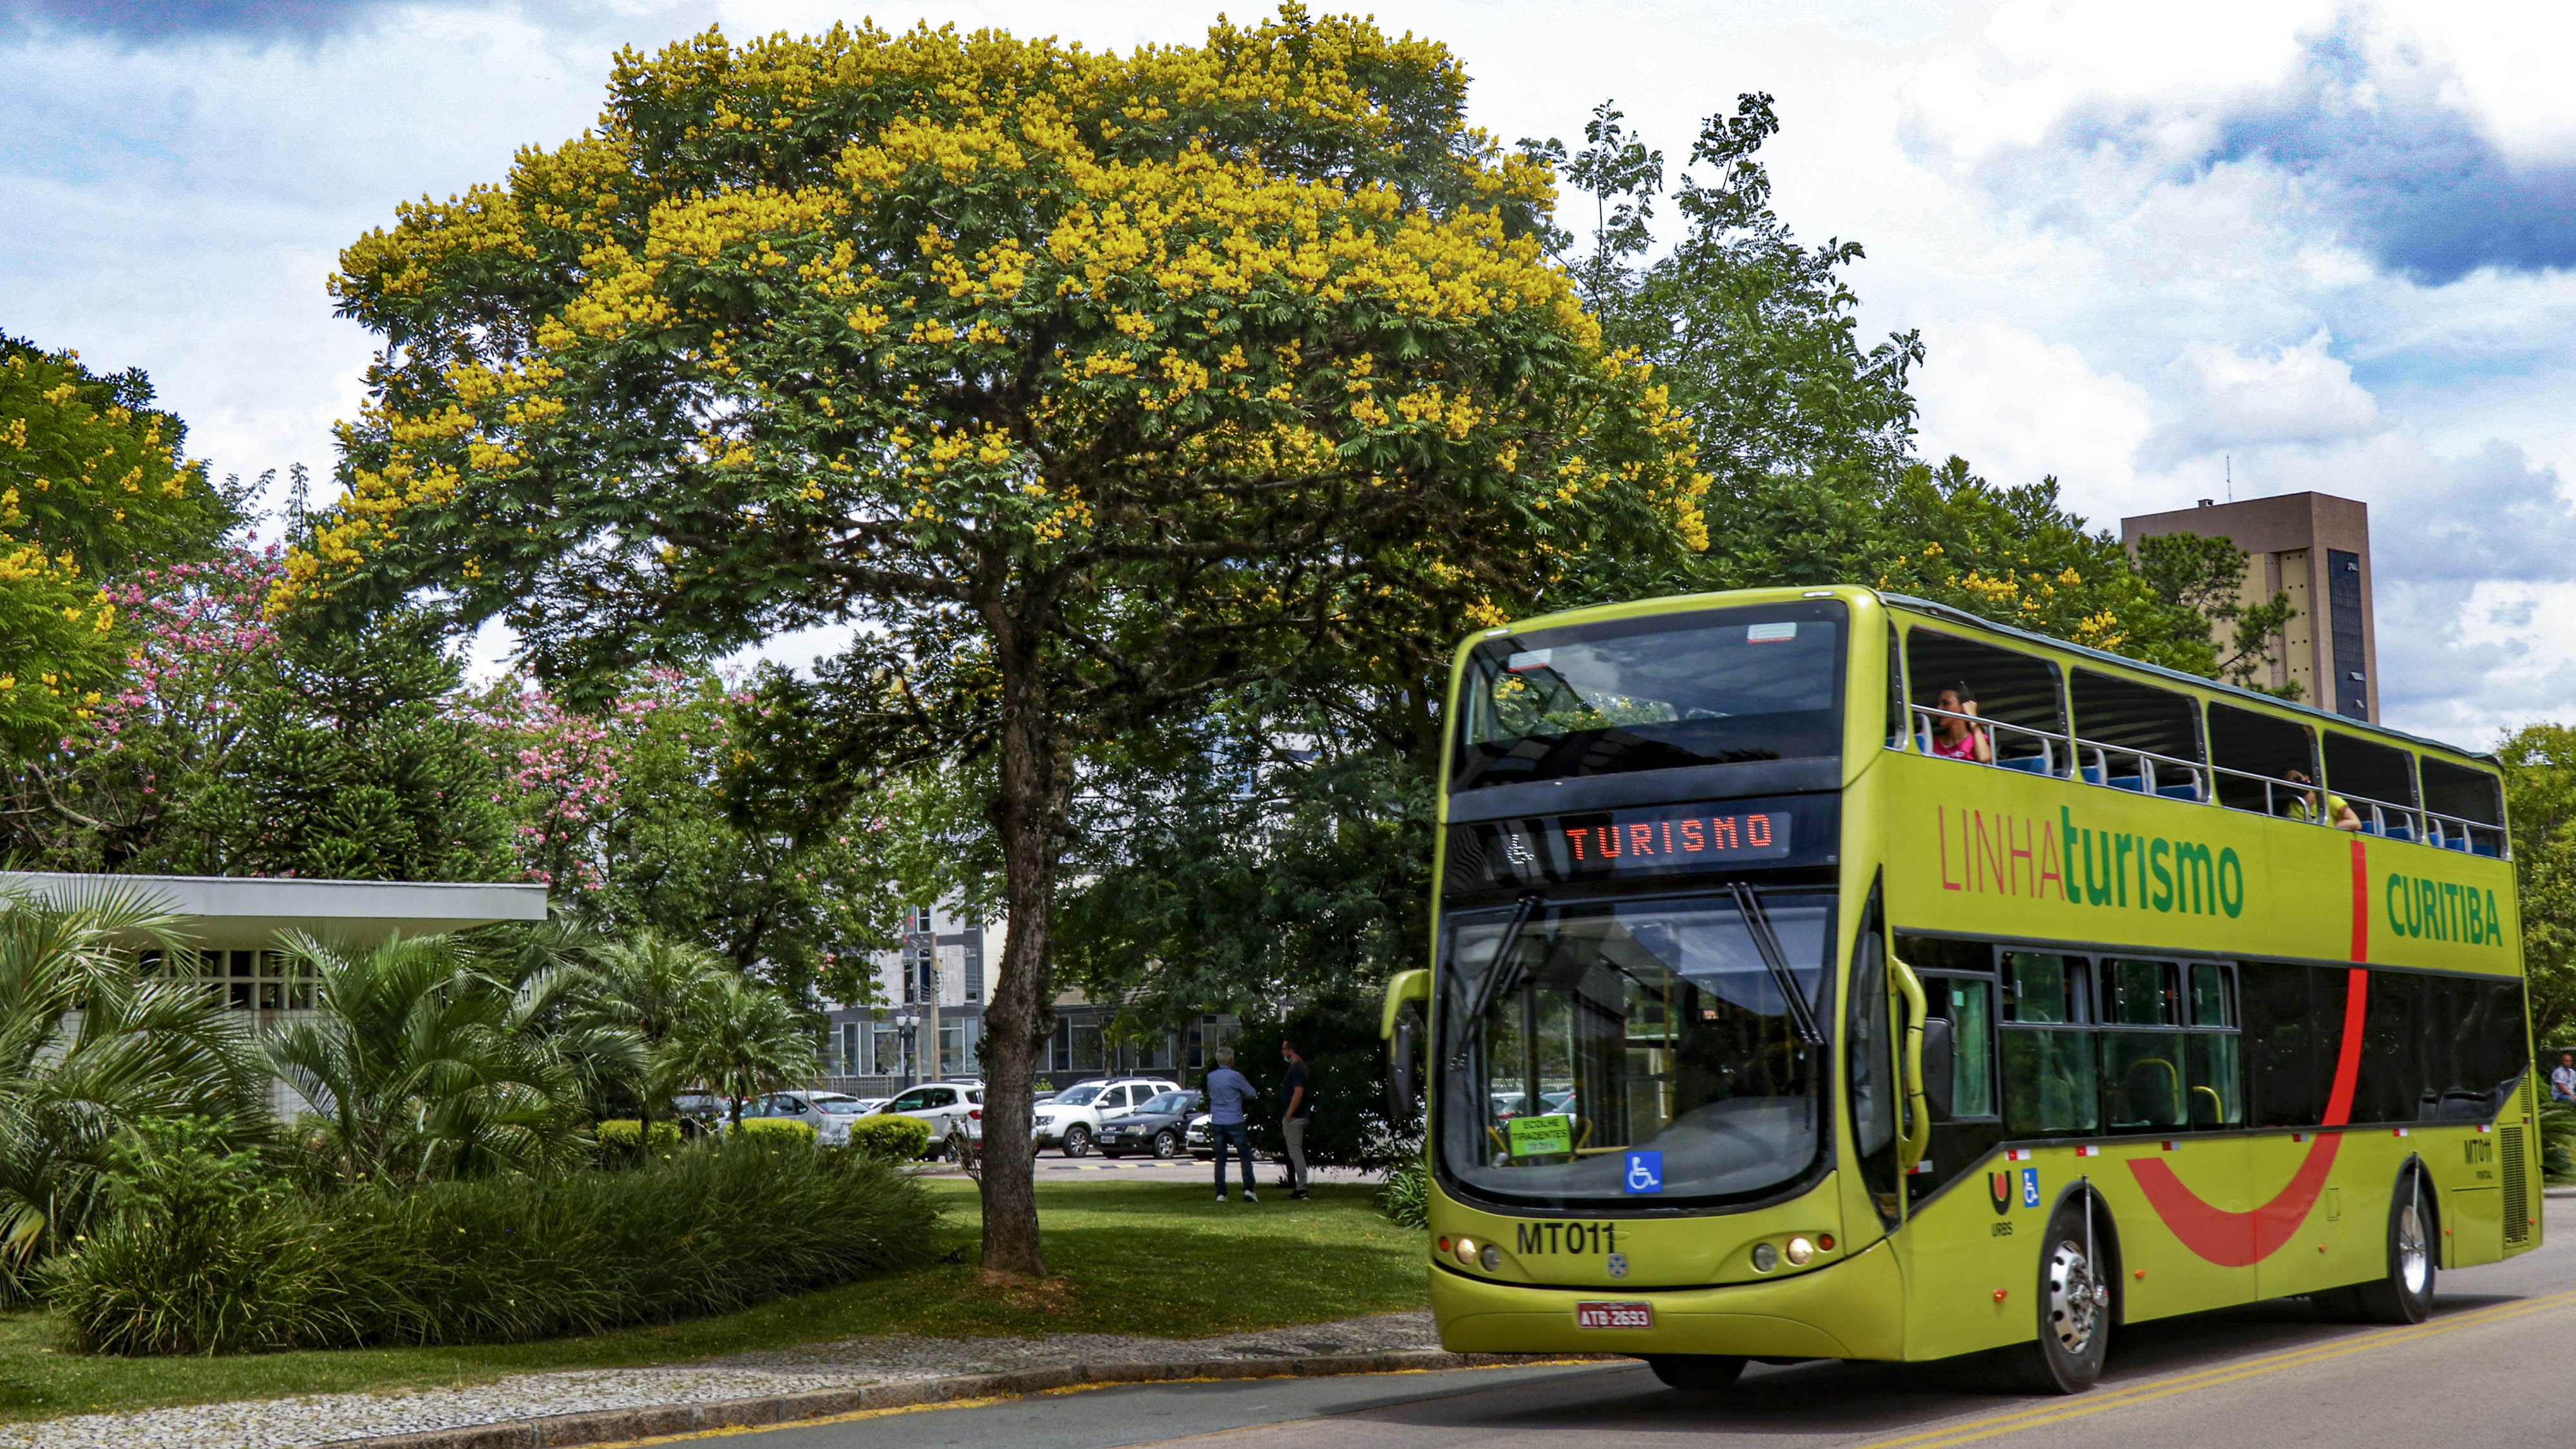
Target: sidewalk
x=897 y=1359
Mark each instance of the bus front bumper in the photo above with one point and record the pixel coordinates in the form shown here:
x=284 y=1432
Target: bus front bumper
x=1853 y=1309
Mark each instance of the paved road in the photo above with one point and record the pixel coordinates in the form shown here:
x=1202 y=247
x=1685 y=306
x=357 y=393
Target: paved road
x=2491 y=1365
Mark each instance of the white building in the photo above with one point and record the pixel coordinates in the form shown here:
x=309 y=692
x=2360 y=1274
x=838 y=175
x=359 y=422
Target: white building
x=235 y=922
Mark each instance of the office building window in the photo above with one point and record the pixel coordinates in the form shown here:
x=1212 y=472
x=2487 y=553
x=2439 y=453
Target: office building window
x=2351 y=694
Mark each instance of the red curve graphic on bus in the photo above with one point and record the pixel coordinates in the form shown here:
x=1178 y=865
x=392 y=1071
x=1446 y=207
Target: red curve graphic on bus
x=2237 y=1240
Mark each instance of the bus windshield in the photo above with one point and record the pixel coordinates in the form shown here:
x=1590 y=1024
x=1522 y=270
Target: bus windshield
x=1719 y=686
x=1575 y=1035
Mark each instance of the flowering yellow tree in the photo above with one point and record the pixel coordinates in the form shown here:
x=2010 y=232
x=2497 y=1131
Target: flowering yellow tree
x=90 y=485
x=1082 y=384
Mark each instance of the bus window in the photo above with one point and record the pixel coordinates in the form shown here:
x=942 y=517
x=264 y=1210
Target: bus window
x=2215 y=1068
x=2464 y=808
x=1895 y=691
x=2140 y=993
x=2015 y=697
x=1969 y=1005
x=2040 y=987
x=2377 y=781
x=1666 y=691
x=2046 y=1054
x=2133 y=736
x=2142 y=1081
x=2255 y=757
x=1570 y=1034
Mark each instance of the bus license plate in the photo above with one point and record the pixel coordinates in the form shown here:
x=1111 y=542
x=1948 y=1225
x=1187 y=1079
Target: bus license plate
x=1614 y=1315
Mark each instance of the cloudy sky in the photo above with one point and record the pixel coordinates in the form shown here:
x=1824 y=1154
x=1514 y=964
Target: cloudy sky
x=2325 y=246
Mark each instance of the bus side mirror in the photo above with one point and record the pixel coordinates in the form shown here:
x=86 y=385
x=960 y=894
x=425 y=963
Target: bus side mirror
x=1401 y=1050
x=1400 y=1024
x=1937 y=1067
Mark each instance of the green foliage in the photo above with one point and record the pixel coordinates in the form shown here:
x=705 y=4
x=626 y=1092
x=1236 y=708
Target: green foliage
x=2207 y=577
x=622 y=1137
x=889 y=1136
x=353 y=765
x=2540 y=804
x=780 y=1128
x=1405 y=1196
x=2557 y=1139
x=89 y=1047
x=741 y=1040
x=503 y=1260
x=1345 y=1065
x=91 y=486
x=433 y=1057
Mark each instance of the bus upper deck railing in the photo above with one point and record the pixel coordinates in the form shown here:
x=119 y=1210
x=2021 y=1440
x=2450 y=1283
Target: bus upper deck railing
x=2204 y=783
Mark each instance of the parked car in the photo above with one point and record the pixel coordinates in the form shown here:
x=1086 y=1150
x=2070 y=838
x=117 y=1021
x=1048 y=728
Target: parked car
x=1202 y=1142
x=953 y=1110
x=1072 y=1120
x=828 y=1113
x=1156 y=1126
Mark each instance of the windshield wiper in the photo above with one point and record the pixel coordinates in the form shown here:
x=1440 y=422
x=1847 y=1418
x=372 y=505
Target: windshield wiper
x=1766 y=942
x=1502 y=976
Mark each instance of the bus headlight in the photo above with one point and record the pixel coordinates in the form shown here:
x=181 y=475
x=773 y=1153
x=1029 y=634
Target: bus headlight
x=1466 y=1251
x=1800 y=1250
x=1492 y=1258
x=1765 y=1257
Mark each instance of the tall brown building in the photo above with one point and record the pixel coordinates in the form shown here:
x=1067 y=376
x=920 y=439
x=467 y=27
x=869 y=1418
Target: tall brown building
x=2316 y=548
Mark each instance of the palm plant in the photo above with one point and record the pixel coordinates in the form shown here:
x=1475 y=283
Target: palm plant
x=651 y=987
x=428 y=1058
x=90 y=1045
x=742 y=1039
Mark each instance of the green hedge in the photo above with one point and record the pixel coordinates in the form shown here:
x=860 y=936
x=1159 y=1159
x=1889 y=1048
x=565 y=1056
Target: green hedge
x=622 y=1134
x=184 y=1268
x=891 y=1137
x=777 y=1128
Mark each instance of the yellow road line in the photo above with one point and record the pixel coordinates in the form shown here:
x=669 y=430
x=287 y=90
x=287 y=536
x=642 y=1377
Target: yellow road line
x=852 y=1417
x=856 y=1415
x=1997 y=1425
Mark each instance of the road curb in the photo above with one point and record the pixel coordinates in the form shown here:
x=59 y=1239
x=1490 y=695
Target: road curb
x=609 y=1426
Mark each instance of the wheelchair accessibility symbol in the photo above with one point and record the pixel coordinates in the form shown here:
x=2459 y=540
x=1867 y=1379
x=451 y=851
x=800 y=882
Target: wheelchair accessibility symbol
x=1645 y=1172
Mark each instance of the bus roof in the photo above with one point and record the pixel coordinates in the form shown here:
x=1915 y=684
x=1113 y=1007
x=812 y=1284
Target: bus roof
x=1952 y=615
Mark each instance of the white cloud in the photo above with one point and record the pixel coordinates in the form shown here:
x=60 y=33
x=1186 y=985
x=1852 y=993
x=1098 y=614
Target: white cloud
x=2301 y=394
x=2019 y=407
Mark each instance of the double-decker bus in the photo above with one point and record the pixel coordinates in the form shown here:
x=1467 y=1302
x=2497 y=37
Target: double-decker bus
x=1820 y=973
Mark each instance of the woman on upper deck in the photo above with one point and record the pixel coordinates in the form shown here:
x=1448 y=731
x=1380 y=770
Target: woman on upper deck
x=1953 y=737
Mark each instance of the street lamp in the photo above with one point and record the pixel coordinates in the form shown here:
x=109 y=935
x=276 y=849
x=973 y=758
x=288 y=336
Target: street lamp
x=907 y=1020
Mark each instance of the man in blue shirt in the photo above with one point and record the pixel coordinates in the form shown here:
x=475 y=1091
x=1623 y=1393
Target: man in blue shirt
x=1227 y=1091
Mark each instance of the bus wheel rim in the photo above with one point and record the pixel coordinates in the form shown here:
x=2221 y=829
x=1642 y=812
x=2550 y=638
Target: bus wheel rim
x=2073 y=1303
x=2414 y=1261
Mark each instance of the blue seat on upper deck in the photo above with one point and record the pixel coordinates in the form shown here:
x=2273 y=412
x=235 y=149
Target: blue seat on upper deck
x=2092 y=774
x=2400 y=830
x=2027 y=764
x=2184 y=791
x=2483 y=847
x=2128 y=782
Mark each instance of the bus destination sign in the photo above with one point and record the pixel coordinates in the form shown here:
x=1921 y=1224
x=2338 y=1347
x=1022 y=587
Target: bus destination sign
x=1656 y=840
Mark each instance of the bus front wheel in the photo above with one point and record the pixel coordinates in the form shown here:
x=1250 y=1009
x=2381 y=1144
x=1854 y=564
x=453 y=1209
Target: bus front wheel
x=1696 y=1373
x=2074 y=1308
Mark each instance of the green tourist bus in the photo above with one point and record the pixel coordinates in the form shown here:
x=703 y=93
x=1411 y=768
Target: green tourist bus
x=1828 y=974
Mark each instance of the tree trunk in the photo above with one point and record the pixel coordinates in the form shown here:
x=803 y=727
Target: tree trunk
x=1019 y=1016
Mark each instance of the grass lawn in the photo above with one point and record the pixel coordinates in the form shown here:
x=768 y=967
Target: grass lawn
x=1153 y=1258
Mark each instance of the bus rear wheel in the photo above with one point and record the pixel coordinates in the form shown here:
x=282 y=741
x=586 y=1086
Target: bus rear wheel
x=2074 y=1309
x=1709 y=1374
x=2406 y=1294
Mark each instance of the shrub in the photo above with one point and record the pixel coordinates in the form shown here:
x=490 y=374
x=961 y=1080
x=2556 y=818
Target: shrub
x=506 y=1259
x=890 y=1137
x=621 y=1139
x=777 y=1129
x=1406 y=1195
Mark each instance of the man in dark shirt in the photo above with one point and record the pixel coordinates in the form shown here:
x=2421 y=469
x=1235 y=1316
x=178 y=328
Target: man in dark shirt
x=1301 y=1105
